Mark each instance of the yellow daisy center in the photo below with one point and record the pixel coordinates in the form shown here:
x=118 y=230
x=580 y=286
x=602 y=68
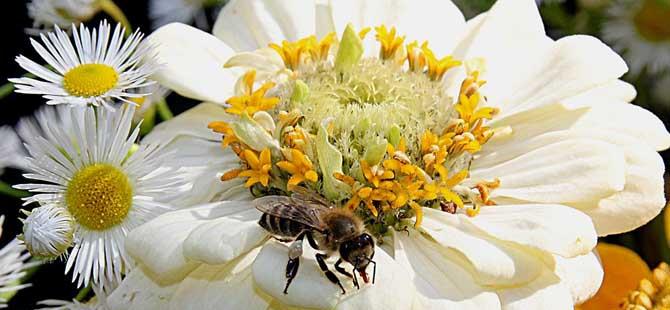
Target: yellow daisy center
x=90 y=80
x=651 y=21
x=99 y=196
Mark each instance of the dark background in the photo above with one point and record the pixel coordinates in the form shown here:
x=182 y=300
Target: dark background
x=49 y=281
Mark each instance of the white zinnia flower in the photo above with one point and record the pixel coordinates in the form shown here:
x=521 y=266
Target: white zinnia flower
x=11 y=151
x=13 y=266
x=96 y=68
x=568 y=152
x=92 y=170
x=640 y=30
x=62 y=13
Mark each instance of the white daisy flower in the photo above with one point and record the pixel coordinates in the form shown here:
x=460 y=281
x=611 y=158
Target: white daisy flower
x=640 y=30
x=93 y=171
x=13 y=266
x=539 y=148
x=94 y=70
x=11 y=151
x=62 y=13
x=48 y=231
x=163 y=12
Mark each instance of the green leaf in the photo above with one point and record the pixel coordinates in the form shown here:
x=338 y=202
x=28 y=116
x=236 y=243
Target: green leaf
x=330 y=161
x=350 y=50
x=253 y=134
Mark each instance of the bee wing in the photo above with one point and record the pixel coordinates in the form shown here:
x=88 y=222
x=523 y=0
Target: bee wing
x=301 y=193
x=294 y=209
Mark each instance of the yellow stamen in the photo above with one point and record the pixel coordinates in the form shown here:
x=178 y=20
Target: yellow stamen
x=90 y=80
x=99 y=196
x=225 y=129
x=415 y=58
x=437 y=67
x=652 y=293
x=320 y=50
x=364 y=32
x=252 y=101
x=390 y=43
x=292 y=53
x=259 y=167
x=299 y=166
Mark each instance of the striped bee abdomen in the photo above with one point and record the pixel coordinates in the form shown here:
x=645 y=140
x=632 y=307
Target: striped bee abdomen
x=282 y=227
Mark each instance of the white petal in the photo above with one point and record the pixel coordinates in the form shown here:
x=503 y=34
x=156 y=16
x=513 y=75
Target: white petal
x=311 y=288
x=224 y=239
x=192 y=63
x=491 y=261
x=158 y=244
x=546 y=292
x=192 y=122
x=139 y=292
x=582 y=275
x=624 y=118
x=568 y=171
x=441 y=283
x=511 y=38
x=574 y=64
x=247 y=25
x=539 y=226
x=228 y=286
x=616 y=90
x=439 y=22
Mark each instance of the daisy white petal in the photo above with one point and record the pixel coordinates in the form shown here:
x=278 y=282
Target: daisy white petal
x=11 y=151
x=61 y=13
x=95 y=67
x=48 y=231
x=93 y=171
x=13 y=266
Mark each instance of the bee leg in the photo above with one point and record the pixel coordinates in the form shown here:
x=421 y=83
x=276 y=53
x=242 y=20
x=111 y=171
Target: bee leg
x=320 y=258
x=294 y=253
x=291 y=271
x=346 y=273
x=311 y=240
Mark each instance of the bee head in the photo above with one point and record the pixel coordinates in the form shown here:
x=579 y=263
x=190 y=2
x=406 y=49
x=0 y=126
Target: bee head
x=359 y=252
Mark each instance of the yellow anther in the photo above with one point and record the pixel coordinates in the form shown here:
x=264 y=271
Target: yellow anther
x=252 y=100
x=437 y=67
x=225 y=129
x=299 y=166
x=258 y=167
x=390 y=43
x=364 y=32
x=321 y=49
x=372 y=176
x=415 y=58
x=292 y=53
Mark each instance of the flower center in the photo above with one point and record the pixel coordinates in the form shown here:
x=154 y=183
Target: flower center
x=652 y=19
x=99 y=196
x=366 y=102
x=90 y=80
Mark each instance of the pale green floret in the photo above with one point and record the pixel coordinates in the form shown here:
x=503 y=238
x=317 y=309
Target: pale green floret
x=371 y=103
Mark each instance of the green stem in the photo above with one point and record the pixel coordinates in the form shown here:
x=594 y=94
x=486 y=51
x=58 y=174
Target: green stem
x=10 y=191
x=164 y=110
x=113 y=10
x=149 y=120
x=83 y=293
x=6 y=89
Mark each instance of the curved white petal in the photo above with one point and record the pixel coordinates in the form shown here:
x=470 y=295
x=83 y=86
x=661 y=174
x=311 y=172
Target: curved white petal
x=227 y=286
x=441 y=283
x=192 y=63
x=616 y=90
x=567 y=171
x=438 y=22
x=192 y=122
x=546 y=292
x=224 y=239
x=311 y=289
x=539 y=226
x=582 y=275
x=491 y=261
x=138 y=292
x=158 y=244
x=246 y=25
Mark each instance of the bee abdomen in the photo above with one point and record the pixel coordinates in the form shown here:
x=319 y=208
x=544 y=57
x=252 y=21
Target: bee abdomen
x=281 y=226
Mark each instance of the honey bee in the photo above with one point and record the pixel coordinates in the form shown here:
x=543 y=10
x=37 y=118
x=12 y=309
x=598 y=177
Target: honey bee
x=328 y=229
